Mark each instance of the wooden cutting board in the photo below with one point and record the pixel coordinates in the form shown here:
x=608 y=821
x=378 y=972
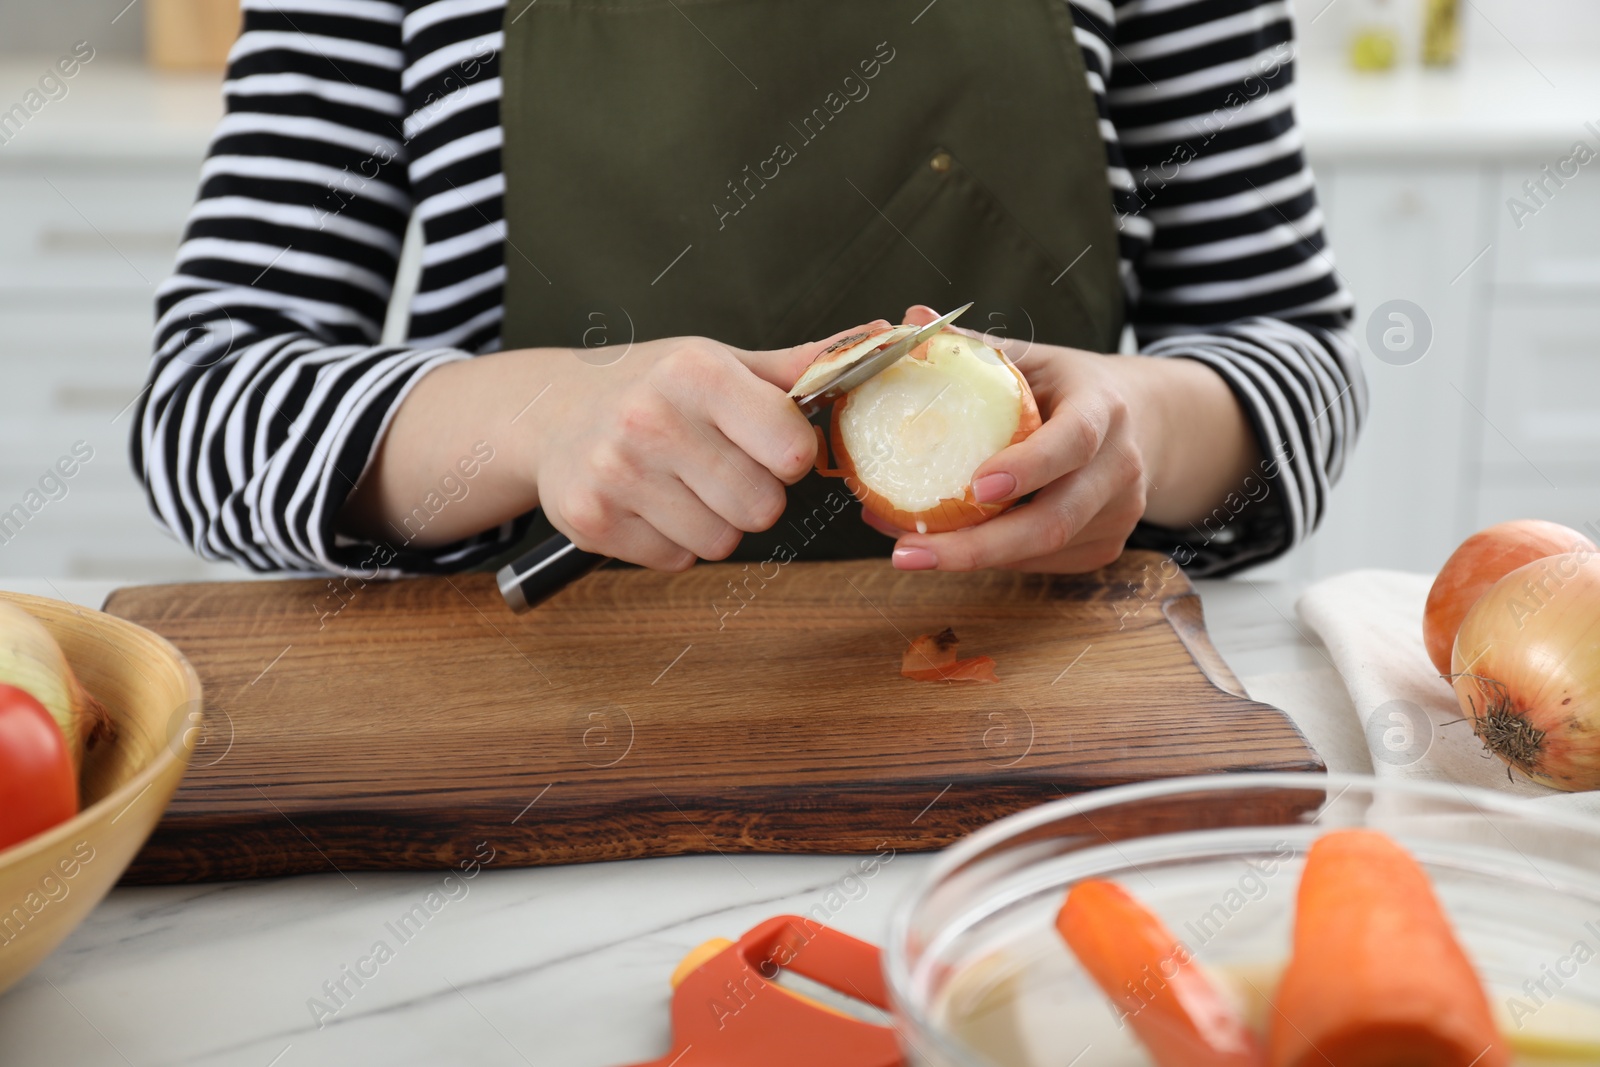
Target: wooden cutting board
x=388 y=725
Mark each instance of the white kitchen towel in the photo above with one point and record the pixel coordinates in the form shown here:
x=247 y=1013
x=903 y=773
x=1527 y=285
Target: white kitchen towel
x=1370 y=624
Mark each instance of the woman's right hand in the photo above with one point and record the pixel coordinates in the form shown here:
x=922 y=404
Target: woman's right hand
x=670 y=453
x=676 y=451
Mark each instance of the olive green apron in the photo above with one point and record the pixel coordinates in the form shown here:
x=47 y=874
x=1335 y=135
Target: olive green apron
x=768 y=172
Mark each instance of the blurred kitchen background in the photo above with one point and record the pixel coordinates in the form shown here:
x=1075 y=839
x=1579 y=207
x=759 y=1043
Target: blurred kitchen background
x=1479 y=325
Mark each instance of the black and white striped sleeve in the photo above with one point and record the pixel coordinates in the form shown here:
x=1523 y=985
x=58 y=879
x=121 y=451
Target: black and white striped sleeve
x=1225 y=253
x=268 y=391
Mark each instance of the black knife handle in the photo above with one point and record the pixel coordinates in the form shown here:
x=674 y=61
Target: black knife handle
x=541 y=573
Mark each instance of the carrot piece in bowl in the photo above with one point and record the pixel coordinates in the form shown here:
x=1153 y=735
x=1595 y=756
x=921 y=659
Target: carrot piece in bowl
x=1377 y=977
x=1156 y=985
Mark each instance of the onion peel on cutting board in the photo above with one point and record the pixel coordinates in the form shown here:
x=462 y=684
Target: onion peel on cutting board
x=932 y=658
x=908 y=440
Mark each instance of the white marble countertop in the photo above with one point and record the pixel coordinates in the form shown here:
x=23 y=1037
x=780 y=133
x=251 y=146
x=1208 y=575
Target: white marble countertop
x=564 y=966
x=1496 y=106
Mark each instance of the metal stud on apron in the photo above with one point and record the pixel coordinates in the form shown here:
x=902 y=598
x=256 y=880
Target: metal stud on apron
x=768 y=172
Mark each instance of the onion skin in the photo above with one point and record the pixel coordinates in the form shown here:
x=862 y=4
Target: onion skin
x=1526 y=670
x=948 y=514
x=843 y=353
x=1479 y=562
x=932 y=658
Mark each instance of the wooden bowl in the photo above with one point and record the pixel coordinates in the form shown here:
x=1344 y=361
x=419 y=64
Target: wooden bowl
x=49 y=882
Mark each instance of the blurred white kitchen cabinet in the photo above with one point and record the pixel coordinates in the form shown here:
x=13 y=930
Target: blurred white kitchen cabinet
x=96 y=186
x=1500 y=418
x=1542 y=455
x=1403 y=232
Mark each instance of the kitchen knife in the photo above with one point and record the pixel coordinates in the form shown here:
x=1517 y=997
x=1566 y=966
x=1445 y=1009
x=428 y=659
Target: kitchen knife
x=556 y=562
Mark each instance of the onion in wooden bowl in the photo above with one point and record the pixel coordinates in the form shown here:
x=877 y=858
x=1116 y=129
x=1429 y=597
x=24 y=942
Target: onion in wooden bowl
x=50 y=881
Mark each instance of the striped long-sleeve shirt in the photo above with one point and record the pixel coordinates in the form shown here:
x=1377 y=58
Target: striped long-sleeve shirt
x=269 y=390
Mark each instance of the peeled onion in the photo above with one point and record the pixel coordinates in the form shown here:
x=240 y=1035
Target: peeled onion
x=908 y=440
x=1480 y=561
x=1526 y=669
x=31 y=660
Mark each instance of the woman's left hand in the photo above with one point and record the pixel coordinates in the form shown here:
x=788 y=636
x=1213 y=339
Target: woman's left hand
x=1086 y=466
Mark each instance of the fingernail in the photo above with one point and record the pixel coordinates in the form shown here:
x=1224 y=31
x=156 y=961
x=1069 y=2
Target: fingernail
x=914 y=559
x=992 y=487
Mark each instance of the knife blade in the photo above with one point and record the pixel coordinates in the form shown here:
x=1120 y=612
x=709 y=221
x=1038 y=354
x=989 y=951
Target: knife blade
x=556 y=562
x=869 y=367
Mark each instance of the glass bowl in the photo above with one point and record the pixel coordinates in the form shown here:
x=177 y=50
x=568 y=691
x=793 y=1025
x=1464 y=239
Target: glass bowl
x=978 y=976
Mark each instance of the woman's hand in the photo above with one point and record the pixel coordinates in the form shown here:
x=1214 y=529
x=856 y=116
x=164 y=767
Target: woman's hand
x=669 y=453
x=677 y=451
x=1124 y=438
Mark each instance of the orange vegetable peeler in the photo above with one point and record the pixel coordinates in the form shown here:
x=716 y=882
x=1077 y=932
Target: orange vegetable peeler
x=729 y=1011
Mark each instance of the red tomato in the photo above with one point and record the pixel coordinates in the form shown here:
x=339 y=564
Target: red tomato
x=37 y=786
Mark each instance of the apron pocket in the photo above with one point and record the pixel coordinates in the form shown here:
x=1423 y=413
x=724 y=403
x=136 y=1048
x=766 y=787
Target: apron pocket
x=941 y=239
